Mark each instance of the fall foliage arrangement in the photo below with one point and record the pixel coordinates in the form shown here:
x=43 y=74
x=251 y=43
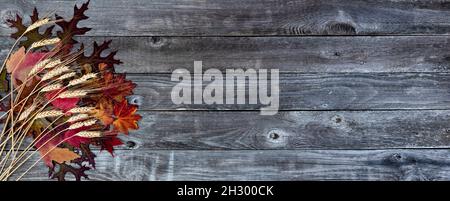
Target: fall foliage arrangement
x=59 y=101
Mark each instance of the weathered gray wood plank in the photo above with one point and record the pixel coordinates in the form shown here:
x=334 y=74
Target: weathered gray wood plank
x=288 y=54
x=397 y=164
x=250 y=17
x=292 y=130
x=322 y=91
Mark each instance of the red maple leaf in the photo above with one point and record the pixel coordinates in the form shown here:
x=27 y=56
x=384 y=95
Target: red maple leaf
x=126 y=118
x=108 y=143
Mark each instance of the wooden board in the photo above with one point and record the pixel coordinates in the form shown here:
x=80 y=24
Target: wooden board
x=288 y=54
x=292 y=130
x=341 y=91
x=394 y=164
x=365 y=87
x=247 y=130
x=250 y=17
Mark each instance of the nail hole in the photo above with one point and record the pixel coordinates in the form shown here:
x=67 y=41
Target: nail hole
x=337 y=54
x=338 y=120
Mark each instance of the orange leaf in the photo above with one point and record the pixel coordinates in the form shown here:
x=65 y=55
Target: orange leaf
x=104 y=113
x=15 y=59
x=126 y=118
x=59 y=155
x=117 y=87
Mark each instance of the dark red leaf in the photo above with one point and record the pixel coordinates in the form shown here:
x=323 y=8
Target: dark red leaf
x=108 y=143
x=75 y=140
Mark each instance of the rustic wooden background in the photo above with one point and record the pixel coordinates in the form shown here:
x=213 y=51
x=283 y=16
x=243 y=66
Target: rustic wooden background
x=365 y=87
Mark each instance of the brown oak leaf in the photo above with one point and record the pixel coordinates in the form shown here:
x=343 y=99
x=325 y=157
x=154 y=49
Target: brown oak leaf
x=32 y=36
x=96 y=57
x=70 y=28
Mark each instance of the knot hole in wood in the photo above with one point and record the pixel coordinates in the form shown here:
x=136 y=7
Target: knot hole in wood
x=135 y=100
x=400 y=158
x=130 y=144
x=337 y=119
x=157 y=41
x=274 y=135
x=277 y=138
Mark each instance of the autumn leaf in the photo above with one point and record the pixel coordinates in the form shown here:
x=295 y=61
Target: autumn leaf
x=20 y=64
x=61 y=103
x=31 y=36
x=117 y=87
x=55 y=137
x=70 y=28
x=76 y=141
x=47 y=146
x=96 y=57
x=108 y=143
x=102 y=67
x=3 y=81
x=126 y=118
x=86 y=155
x=64 y=169
x=105 y=111
x=86 y=158
x=15 y=59
x=59 y=155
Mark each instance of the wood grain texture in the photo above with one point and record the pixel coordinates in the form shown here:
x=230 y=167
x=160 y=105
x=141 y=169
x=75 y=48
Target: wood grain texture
x=288 y=54
x=292 y=130
x=302 y=130
x=396 y=164
x=364 y=87
x=250 y=17
x=318 y=91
